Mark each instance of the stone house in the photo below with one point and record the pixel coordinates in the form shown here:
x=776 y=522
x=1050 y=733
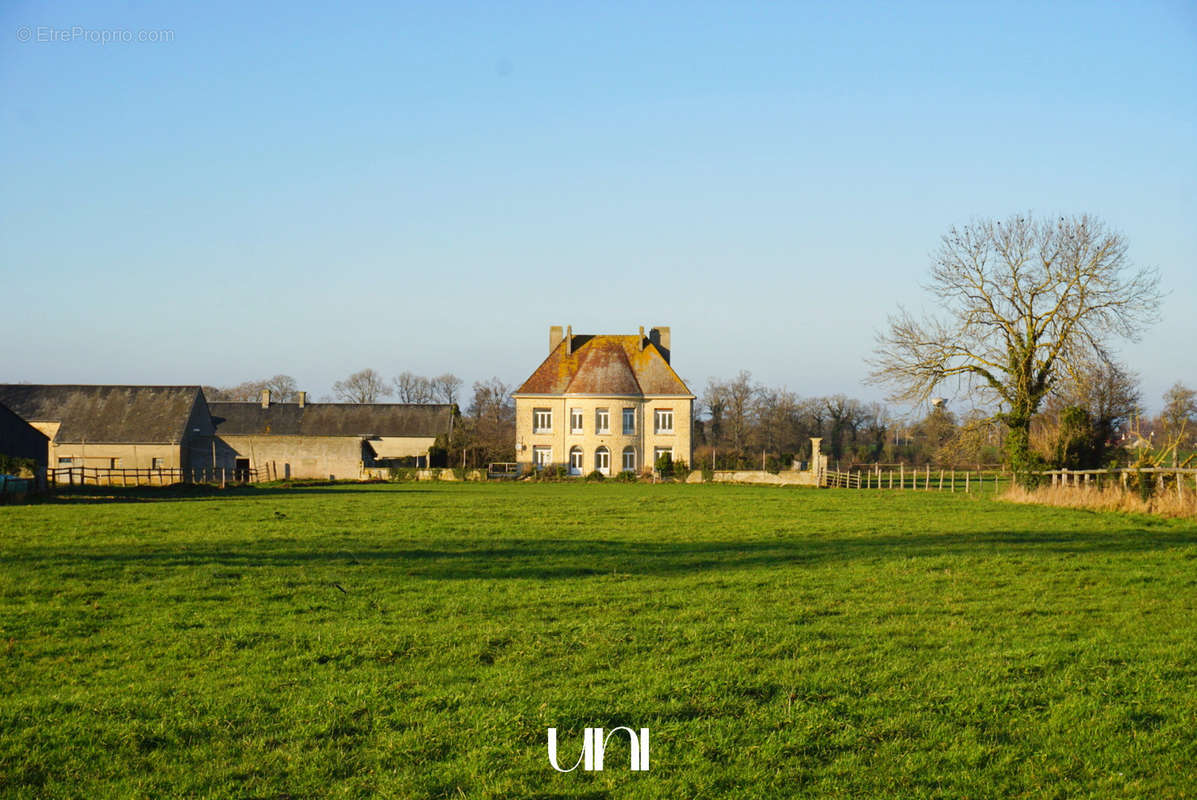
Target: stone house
x=117 y=427
x=19 y=439
x=609 y=403
x=325 y=440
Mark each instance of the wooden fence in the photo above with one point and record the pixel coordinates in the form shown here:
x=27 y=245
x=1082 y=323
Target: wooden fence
x=925 y=478
x=1163 y=477
x=59 y=477
x=929 y=478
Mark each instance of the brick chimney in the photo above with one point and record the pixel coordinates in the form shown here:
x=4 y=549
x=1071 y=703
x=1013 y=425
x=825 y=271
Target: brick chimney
x=554 y=337
x=640 y=344
x=303 y=399
x=660 y=337
x=265 y=398
x=569 y=340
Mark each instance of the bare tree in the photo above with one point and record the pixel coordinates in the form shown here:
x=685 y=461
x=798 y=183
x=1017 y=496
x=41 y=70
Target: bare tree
x=844 y=414
x=1026 y=301
x=283 y=389
x=365 y=386
x=445 y=388
x=1109 y=395
x=492 y=421
x=737 y=397
x=413 y=388
x=1180 y=409
x=1179 y=416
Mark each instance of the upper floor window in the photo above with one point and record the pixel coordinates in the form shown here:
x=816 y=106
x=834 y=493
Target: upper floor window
x=575 y=420
x=602 y=420
x=542 y=420
x=629 y=421
x=663 y=419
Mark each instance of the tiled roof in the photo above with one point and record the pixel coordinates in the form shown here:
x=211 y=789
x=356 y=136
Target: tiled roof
x=331 y=419
x=605 y=365
x=106 y=414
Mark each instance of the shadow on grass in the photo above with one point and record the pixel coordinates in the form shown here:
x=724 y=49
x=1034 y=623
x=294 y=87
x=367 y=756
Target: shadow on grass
x=87 y=495
x=564 y=558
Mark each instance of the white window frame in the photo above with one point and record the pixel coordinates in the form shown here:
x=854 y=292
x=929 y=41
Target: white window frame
x=157 y=462
x=542 y=455
x=602 y=420
x=542 y=420
x=660 y=451
x=629 y=451
x=663 y=420
x=576 y=454
x=629 y=416
x=602 y=460
x=68 y=461
x=576 y=420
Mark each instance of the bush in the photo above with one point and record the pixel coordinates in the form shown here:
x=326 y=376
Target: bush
x=12 y=465
x=627 y=476
x=596 y=476
x=402 y=473
x=664 y=465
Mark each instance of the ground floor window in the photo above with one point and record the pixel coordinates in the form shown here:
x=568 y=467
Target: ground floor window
x=157 y=463
x=542 y=456
x=602 y=460
x=629 y=459
x=658 y=452
x=575 y=461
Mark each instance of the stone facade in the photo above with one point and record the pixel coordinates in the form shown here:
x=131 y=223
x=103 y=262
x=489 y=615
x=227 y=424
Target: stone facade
x=605 y=403
x=328 y=441
x=118 y=427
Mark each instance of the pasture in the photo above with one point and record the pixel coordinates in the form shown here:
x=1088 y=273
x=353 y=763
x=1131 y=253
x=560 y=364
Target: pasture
x=417 y=640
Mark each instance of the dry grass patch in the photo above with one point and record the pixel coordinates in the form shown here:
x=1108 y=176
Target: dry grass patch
x=1110 y=498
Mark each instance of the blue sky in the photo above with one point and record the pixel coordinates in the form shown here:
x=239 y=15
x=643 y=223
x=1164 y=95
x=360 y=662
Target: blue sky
x=428 y=187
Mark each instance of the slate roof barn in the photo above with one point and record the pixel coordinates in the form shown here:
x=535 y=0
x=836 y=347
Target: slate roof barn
x=117 y=426
x=323 y=440
x=19 y=439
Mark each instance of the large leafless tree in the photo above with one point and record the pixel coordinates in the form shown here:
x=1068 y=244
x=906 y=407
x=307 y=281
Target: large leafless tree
x=364 y=386
x=1024 y=301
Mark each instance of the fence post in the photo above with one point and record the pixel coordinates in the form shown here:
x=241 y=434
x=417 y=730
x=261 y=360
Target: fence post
x=927 y=480
x=902 y=475
x=967 y=479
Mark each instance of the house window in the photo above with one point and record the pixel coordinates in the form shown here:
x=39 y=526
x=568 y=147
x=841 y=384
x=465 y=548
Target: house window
x=114 y=463
x=629 y=459
x=66 y=461
x=575 y=420
x=663 y=420
x=575 y=461
x=602 y=460
x=157 y=463
x=542 y=456
x=542 y=420
x=629 y=421
x=602 y=420
x=658 y=452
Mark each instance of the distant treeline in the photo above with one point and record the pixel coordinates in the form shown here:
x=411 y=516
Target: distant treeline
x=1096 y=421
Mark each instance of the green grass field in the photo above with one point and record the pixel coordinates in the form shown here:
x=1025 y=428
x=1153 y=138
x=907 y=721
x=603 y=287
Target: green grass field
x=417 y=640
